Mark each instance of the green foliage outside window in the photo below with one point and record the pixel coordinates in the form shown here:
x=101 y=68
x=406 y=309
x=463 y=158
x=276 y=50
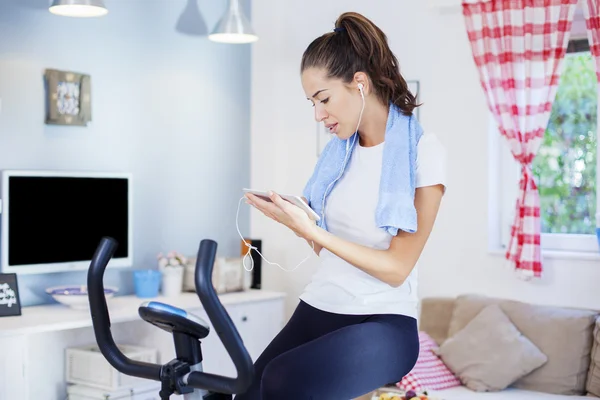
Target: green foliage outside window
x=565 y=165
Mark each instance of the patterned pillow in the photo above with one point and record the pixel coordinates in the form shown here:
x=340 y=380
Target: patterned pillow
x=430 y=372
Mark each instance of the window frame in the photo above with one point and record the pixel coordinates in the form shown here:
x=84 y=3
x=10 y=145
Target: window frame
x=504 y=181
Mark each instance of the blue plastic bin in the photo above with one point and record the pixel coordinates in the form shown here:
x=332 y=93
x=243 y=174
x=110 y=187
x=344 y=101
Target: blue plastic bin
x=146 y=283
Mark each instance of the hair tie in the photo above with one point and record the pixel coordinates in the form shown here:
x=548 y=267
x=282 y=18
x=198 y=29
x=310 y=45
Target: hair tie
x=338 y=29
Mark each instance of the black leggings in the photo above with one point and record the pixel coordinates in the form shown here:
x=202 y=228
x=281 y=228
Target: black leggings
x=324 y=356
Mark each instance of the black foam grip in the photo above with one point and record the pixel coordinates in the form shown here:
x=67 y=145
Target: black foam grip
x=101 y=320
x=224 y=327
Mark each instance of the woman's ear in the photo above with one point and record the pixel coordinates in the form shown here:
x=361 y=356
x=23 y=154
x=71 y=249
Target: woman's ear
x=360 y=78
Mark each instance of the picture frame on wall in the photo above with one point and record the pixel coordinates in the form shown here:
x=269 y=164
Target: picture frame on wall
x=323 y=136
x=68 y=98
x=10 y=302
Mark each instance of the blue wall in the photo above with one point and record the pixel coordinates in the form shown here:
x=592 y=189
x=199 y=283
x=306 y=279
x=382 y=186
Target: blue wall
x=171 y=108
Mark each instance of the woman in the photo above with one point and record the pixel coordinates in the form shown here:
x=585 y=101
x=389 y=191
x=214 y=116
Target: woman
x=377 y=185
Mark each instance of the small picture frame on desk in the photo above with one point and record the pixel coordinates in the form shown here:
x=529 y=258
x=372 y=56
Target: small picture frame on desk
x=10 y=303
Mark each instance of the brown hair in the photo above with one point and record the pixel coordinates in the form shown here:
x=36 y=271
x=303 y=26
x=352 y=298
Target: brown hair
x=357 y=44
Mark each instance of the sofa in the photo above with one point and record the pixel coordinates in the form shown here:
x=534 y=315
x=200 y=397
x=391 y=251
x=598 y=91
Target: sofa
x=502 y=349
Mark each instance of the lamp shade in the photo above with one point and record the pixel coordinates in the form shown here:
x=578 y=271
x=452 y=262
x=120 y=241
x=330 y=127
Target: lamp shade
x=78 y=8
x=234 y=27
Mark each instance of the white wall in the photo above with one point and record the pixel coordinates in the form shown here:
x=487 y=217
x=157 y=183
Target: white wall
x=173 y=109
x=432 y=47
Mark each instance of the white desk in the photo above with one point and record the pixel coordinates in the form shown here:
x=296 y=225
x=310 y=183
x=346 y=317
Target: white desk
x=32 y=346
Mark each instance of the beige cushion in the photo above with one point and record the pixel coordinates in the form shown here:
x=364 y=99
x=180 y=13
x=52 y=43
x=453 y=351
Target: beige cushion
x=490 y=353
x=564 y=335
x=593 y=379
x=466 y=307
x=435 y=316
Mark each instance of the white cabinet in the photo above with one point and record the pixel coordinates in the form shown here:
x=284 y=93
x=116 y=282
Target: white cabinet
x=32 y=346
x=258 y=324
x=12 y=359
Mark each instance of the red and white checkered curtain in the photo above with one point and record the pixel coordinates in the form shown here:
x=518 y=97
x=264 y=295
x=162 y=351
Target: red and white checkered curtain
x=518 y=47
x=592 y=23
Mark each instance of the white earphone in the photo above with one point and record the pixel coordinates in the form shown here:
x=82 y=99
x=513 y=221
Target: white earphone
x=360 y=88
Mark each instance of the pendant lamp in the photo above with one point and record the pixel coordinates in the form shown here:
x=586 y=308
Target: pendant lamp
x=78 y=8
x=234 y=27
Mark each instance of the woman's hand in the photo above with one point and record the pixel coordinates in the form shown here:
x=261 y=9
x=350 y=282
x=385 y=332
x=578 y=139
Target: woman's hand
x=286 y=213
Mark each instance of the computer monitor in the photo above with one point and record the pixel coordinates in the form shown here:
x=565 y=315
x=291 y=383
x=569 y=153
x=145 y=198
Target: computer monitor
x=52 y=221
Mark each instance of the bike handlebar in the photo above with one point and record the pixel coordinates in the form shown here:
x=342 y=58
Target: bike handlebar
x=217 y=314
x=101 y=319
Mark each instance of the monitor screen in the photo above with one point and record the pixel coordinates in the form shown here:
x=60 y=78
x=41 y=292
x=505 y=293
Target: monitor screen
x=59 y=220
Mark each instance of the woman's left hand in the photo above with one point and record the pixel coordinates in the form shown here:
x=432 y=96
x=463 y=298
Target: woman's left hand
x=284 y=212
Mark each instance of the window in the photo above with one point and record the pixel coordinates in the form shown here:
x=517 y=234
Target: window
x=566 y=163
x=565 y=166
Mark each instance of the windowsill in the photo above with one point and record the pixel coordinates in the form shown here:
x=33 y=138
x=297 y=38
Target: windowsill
x=555 y=254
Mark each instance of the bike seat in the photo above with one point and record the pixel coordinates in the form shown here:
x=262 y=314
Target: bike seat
x=173 y=319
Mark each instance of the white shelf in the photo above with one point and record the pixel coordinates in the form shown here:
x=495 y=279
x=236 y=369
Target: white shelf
x=58 y=317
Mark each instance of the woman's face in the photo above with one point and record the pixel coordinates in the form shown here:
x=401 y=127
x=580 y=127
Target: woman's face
x=336 y=104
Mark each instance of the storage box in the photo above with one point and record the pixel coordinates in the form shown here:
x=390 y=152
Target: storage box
x=229 y=275
x=148 y=390
x=87 y=366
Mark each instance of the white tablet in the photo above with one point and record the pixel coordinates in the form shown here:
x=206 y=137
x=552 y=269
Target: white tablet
x=296 y=200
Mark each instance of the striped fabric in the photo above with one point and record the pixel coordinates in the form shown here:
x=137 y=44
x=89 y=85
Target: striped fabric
x=518 y=47
x=430 y=372
x=592 y=23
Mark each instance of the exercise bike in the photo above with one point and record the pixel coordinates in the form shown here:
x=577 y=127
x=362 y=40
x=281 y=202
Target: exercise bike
x=182 y=375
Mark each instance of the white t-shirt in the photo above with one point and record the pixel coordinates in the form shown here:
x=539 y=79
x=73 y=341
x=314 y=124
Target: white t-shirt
x=338 y=286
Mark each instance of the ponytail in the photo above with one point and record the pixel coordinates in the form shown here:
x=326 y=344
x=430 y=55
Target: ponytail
x=356 y=44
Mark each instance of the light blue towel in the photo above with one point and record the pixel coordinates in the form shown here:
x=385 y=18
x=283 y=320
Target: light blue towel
x=395 y=207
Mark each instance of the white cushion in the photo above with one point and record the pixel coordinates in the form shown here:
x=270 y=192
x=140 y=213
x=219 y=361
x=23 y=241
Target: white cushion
x=463 y=393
